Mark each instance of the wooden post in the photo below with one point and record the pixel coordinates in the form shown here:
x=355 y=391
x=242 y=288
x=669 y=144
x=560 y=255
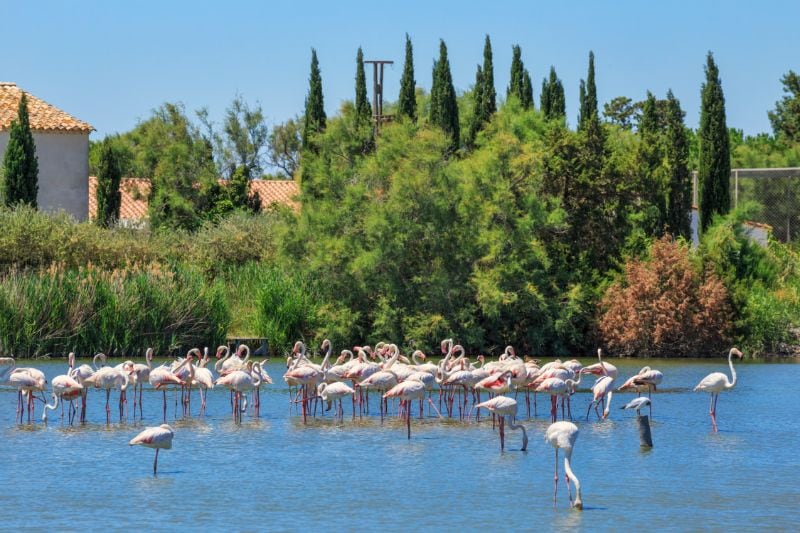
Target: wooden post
x=645 y=438
x=377 y=92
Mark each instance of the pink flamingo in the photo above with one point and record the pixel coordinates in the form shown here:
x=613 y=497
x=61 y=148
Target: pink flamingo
x=240 y=382
x=81 y=374
x=503 y=407
x=717 y=382
x=646 y=380
x=65 y=388
x=557 y=387
x=602 y=388
x=331 y=392
x=110 y=378
x=140 y=375
x=563 y=435
x=162 y=377
x=408 y=391
x=601 y=368
x=159 y=438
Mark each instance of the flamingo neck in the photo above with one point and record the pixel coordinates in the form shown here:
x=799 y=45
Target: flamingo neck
x=512 y=425
x=51 y=407
x=100 y=356
x=733 y=372
x=148 y=358
x=571 y=475
x=395 y=355
x=608 y=404
x=218 y=364
x=256 y=374
x=325 y=362
x=415 y=357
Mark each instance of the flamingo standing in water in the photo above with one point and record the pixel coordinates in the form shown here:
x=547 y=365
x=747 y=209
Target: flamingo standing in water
x=111 y=378
x=717 y=382
x=155 y=437
x=65 y=389
x=81 y=374
x=563 y=435
x=203 y=379
x=503 y=406
x=330 y=392
x=162 y=377
x=241 y=382
x=27 y=381
x=646 y=380
x=407 y=391
x=140 y=375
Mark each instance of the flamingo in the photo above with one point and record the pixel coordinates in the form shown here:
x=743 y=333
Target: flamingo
x=563 y=435
x=717 y=382
x=111 y=378
x=646 y=380
x=407 y=391
x=155 y=437
x=162 y=377
x=556 y=387
x=601 y=389
x=26 y=383
x=637 y=404
x=601 y=368
x=141 y=374
x=240 y=382
x=81 y=374
x=204 y=380
x=330 y=392
x=65 y=388
x=503 y=406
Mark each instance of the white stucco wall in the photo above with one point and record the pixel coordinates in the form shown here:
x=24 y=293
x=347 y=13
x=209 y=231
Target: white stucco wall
x=63 y=171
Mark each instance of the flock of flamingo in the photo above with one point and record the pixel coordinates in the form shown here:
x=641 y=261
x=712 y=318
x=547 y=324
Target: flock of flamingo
x=458 y=381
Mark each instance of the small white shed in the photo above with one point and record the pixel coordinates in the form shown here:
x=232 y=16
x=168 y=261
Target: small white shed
x=62 y=148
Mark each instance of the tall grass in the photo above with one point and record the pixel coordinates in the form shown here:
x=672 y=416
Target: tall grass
x=119 y=311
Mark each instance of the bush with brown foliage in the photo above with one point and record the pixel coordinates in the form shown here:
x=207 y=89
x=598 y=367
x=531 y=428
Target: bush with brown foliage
x=663 y=307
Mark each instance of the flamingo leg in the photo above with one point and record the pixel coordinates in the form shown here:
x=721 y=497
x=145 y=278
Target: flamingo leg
x=165 y=405
x=502 y=433
x=155 y=464
x=589 y=409
x=108 y=409
x=555 y=481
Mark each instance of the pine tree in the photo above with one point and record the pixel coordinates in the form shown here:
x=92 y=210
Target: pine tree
x=679 y=201
x=109 y=175
x=407 y=104
x=444 y=107
x=20 y=164
x=363 y=109
x=648 y=161
x=315 y=110
x=517 y=73
x=714 y=159
x=588 y=95
x=489 y=93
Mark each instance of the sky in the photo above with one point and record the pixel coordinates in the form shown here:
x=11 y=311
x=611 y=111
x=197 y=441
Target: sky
x=111 y=63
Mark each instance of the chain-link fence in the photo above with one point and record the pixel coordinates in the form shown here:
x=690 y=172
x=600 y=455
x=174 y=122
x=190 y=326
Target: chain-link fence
x=775 y=192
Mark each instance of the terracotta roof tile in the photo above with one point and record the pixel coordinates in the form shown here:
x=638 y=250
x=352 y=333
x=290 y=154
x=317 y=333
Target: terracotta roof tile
x=135 y=192
x=43 y=116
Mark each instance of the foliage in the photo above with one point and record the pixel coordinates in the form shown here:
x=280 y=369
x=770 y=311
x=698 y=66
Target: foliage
x=520 y=85
x=664 y=307
x=444 y=107
x=621 y=111
x=407 y=103
x=20 y=169
x=284 y=147
x=785 y=118
x=489 y=93
x=243 y=141
x=588 y=97
x=650 y=158
x=314 y=117
x=714 y=167
x=679 y=198
x=553 y=103
x=108 y=194
x=118 y=311
x=363 y=109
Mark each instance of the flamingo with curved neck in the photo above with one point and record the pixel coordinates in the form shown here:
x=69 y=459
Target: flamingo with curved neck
x=717 y=382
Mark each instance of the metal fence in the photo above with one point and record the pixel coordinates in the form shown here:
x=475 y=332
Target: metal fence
x=774 y=191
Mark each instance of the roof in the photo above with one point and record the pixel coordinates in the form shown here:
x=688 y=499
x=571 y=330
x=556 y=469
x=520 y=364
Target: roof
x=135 y=193
x=43 y=116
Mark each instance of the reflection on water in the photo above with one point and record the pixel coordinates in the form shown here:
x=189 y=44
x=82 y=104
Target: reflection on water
x=274 y=472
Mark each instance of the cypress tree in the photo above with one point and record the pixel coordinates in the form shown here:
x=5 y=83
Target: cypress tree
x=679 y=201
x=648 y=159
x=444 y=107
x=315 y=110
x=588 y=95
x=363 y=109
x=517 y=73
x=558 y=103
x=478 y=106
x=544 y=98
x=714 y=159
x=20 y=164
x=582 y=110
x=489 y=93
x=109 y=175
x=407 y=104
x=526 y=97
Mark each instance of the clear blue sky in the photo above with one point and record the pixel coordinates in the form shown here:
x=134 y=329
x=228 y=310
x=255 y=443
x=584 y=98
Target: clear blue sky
x=110 y=63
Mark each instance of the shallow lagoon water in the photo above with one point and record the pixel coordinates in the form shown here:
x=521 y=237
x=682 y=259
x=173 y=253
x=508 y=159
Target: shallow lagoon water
x=274 y=473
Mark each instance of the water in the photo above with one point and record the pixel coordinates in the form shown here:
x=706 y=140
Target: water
x=275 y=473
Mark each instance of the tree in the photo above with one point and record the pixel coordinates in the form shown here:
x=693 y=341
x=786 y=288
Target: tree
x=527 y=90
x=315 y=109
x=407 y=104
x=581 y=103
x=621 y=111
x=588 y=95
x=517 y=73
x=649 y=162
x=714 y=170
x=243 y=141
x=679 y=201
x=284 y=146
x=20 y=164
x=553 y=104
x=109 y=175
x=786 y=117
x=489 y=93
x=363 y=109
x=444 y=107
x=478 y=103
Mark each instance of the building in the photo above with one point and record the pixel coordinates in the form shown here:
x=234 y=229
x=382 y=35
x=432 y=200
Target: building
x=135 y=192
x=62 y=148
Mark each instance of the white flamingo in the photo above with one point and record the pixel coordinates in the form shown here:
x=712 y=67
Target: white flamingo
x=503 y=407
x=159 y=438
x=563 y=435
x=717 y=382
